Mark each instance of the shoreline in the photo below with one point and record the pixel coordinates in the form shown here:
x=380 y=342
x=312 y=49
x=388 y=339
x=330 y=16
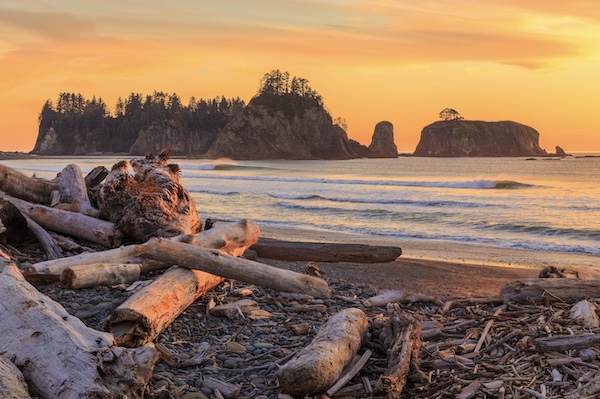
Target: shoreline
x=438 y=268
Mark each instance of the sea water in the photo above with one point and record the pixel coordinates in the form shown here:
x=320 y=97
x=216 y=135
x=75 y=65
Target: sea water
x=549 y=205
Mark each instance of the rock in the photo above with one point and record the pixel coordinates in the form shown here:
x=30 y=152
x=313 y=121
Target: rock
x=382 y=142
x=460 y=138
x=561 y=153
x=172 y=133
x=281 y=129
x=360 y=150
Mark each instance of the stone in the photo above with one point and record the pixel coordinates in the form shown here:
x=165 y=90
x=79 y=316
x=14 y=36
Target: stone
x=382 y=142
x=235 y=347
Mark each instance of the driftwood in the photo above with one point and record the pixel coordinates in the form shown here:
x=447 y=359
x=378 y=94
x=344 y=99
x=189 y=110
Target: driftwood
x=53 y=251
x=149 y=311
x=550 y=289
x=12 y=382
x=71 y=223
x=319 y=365
x=568 y=342
x=83 y=276
x=325 y=252
x=145 y=314
x=217 y=262
x=14 y=223
x=73 y=191
x=153 y=203
x=398 y=296
x=18 y=185
x=400 y=336
x=50 y=271
x=58 y=355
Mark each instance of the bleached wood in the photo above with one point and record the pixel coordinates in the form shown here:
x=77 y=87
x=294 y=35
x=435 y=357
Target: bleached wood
x=325 y=251
x=58 y=355
x=73 y=190
x=83 y=276
x=12 y=382
x=550 y=289
x=320 y=364
x=148 y=312
x=51 y=270
x=52 y=249
x=218 y=262
x=18 y=185
x=71 y=223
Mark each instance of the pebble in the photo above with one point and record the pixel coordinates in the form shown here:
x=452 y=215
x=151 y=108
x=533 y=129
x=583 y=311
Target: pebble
x=230 y=364
x=194 y=395
x=233 y=346
x=263 y=345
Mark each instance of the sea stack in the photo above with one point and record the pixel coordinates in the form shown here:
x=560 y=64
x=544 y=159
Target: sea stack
x=382 y=142
x=460 y=138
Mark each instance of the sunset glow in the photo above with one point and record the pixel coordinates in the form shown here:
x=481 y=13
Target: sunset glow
x=534 y=62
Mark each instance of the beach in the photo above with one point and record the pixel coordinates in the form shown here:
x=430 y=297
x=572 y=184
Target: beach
x=436 y=268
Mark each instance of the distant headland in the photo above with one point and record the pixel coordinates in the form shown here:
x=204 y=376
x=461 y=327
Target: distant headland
x=287 y=119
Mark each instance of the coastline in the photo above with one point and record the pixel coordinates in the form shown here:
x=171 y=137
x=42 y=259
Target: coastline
x=432 y=267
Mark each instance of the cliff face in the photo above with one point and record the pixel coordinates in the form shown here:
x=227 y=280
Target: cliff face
x=52 y=143
x=159 y=136
x=382 y=142
x=265 y=132
x=461 y=138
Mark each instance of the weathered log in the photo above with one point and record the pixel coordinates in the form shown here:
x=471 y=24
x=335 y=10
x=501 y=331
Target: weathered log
x=18 y=185
x=400 y=337
x=325 y=251
x=50 y=271
x=232 y=238
x=71 y=223
x=15 y=224
x=73 y=190
x=148 y=312
x=53 y=251
x=58 y=355
x=12 y=382
x=153 y=203
x=83 y=276
x=95 y=177
x=219 y=263
x=320 y=364
x=567 y=342
x=550 y=289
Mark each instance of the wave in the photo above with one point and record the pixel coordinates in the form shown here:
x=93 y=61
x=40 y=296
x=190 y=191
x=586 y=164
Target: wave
x=548 y=231
x=214 y=192
x=426 y=203
x=468 y=184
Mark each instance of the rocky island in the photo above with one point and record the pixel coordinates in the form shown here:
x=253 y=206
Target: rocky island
x=465 y=138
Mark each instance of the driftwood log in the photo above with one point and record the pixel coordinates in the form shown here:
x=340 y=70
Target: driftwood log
x=96 y=274
x=18 y=185
x=74 y=192
x=12 y=382
x=152 y=203
x=52 y=249
x=401 y=338
x=58 y=355
x=320 y=364
x=148 y=312
x=219 y=263
x=325 y=252
x=550 y=289
x=71 y=223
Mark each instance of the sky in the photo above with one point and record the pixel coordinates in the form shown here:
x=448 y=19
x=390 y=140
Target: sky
x=536 y=62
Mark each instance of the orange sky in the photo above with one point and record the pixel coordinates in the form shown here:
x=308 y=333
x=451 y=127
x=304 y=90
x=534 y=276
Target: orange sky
x=532 y=61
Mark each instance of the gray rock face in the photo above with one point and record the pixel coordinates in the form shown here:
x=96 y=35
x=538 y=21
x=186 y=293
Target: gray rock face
x=459 y=138
x=261 y=132
x=382 y=142
x=50 y=142
x=172 y=134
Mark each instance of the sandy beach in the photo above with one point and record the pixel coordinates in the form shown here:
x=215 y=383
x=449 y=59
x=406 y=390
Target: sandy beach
x=439 y=268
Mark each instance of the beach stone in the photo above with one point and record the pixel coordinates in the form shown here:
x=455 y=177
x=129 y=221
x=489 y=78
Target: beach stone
x=194 y=395
x=235 y=347
x=230 y=364
x=263 y=345
x=160 y=384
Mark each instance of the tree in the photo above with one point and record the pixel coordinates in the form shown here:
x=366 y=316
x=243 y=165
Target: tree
x=449 y=114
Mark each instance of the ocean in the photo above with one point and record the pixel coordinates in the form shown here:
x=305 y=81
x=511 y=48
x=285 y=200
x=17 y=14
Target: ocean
x=548 y=205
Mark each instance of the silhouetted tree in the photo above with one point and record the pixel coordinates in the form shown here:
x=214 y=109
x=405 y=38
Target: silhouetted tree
x=449 y=114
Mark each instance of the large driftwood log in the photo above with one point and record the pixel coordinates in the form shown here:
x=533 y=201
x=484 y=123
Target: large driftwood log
x=325 y=251
x=73 y=191
x=219 y=263
x=71 y=223
x=26 y=188
x=550 y=289
x=233 y=238
x=153 y=203
x=50 y=271
x=83 y=276
x=567 y=342
x=319 y=365
x=58 y=355
x=12 y=382
x=401 y=338
x=148 y=312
